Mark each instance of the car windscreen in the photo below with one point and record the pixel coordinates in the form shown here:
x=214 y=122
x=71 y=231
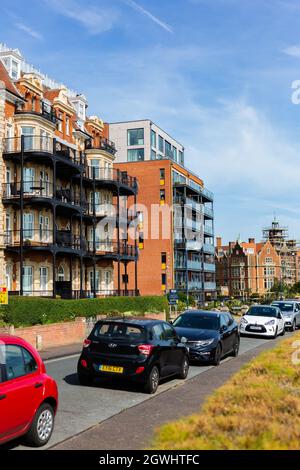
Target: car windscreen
x=262 y=312
x=284 y=307
x=202 y=322
x=121 y=331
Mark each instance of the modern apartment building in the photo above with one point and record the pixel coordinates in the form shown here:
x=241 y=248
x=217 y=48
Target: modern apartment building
x=176 y=218
x=60 y=210
x=143 y=140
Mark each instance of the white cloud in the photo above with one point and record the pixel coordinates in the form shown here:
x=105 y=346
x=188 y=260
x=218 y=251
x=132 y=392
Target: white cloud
x=95 y=19
x=147 y=13
x=28 y=30
x=293 y=51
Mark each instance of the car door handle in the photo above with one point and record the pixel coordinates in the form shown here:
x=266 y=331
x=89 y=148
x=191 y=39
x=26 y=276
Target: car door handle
x=38 y=385
x=2 y=397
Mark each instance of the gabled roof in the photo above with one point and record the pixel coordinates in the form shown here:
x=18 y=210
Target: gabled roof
x=9 y=85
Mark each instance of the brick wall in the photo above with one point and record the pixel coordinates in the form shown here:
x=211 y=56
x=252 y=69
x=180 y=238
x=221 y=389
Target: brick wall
x=60 y=334
x=2 y=172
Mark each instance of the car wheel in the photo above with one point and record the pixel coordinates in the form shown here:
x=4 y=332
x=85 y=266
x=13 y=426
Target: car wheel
x=85 y=380
x=276 y=333
x=236 y=348
x=152 y=381
x=293 y=326
x=283 y=331
x=218 y=354
x=184 y=368
x=41 y=427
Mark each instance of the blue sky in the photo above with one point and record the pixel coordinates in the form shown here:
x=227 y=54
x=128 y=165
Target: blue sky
x=215 y=74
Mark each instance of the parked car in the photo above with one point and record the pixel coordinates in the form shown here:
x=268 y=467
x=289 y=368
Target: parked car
x=28 y=396
x=290 y=310
x=144 y=351
x=265 y=320
x=210 y=335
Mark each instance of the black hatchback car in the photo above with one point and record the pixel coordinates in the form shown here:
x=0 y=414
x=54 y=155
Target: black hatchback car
x=210 y=335
x=139 y=350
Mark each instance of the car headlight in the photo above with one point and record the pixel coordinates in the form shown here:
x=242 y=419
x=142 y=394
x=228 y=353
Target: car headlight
x=243 y=320
x=205 y=342
x=271 y=322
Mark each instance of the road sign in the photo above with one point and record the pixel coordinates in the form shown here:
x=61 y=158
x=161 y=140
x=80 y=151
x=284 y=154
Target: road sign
x=3 y=295
x=173 y=297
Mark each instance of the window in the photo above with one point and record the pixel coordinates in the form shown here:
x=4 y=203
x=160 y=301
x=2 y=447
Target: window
x=59 y=123
x=163 y=260
x=61 y=274
x=107 y=278
x=95 y=164
x=141 y=241
x=170 y=333
x=269 y=260
x=27 y=275
x=162 y=195
x=181 y=157
x=33 y=103
x=135 y=155
x=95 y=287
x=8 y=273
x=43 y=278
x=163 y=280
x=28 y=222
x=67 y=125
x=162 y=174
x=158 y=332
x=168 y=149
x=135 y=137
x=160 y=144
x=153 y=155
x=14 y=70
x=28 y=133
x=18 y=362
x=153 y=139
x=174 y=153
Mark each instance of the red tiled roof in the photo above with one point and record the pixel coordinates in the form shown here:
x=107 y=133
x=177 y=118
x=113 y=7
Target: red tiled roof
x=9 y=85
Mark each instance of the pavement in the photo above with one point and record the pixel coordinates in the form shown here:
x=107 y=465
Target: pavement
x=115 y=415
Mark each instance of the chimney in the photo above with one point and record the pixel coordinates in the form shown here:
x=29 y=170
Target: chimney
x=219 y=242
x=251 y=240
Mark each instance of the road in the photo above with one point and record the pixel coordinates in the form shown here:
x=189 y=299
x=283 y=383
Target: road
x=81 y=408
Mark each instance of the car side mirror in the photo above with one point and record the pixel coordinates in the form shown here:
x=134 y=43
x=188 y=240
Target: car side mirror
x=223 y=328
x=171 y=322
x=183 y=340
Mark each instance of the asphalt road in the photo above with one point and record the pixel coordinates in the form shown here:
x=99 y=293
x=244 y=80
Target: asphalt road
x=81 y=408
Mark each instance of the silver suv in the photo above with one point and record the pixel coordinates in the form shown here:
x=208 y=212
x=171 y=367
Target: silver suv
x=290 y=310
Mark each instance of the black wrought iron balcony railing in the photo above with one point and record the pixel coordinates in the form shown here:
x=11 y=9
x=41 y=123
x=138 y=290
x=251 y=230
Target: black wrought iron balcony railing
x=40 y=189
x=111 y=174
x=31 y=237
x=102 y=144
x=112 y=247
x=42 y=144
x=45 y=110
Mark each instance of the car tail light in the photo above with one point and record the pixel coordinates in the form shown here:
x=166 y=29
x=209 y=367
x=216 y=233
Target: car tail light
x=83 y=363
x=145 y=349
x=86 y=343
x=140 y=370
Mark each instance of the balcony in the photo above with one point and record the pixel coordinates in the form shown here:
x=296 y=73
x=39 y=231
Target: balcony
x=207 y=248
x=208 y=212
x=111 y=175
x=207 y=194
x=195 y=285
x=31 y=238
x=208 y=230
x=209 y=286
x=209 y=267
x=104 y=247
x=189 y=245
x=190 y=265
x=102 y=144
x=38 y=144
x=46 y=112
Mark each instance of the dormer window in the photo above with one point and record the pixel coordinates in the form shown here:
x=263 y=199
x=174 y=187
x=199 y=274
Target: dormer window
x=81 y=111
x=15 y=69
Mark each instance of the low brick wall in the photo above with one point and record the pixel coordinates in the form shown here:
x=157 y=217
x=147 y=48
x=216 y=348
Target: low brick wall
x=48 y=336
x=60 y=334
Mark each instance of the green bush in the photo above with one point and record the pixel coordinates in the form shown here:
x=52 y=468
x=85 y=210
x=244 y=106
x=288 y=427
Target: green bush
x=26 y=311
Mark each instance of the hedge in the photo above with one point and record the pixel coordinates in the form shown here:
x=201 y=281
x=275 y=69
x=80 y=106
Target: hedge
x=27 y=311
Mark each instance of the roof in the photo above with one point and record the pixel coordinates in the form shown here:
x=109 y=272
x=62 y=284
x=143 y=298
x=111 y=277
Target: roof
x=205 y=312
x=9 y=85
x=130 y=320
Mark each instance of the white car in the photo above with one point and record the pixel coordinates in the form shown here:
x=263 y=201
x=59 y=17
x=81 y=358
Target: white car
x=265 y=320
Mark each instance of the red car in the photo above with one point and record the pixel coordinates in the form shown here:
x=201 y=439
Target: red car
x=28 y=396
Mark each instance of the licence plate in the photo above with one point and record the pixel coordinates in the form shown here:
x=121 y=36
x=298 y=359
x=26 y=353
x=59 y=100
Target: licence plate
x=256 y=328
x=114 y=369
